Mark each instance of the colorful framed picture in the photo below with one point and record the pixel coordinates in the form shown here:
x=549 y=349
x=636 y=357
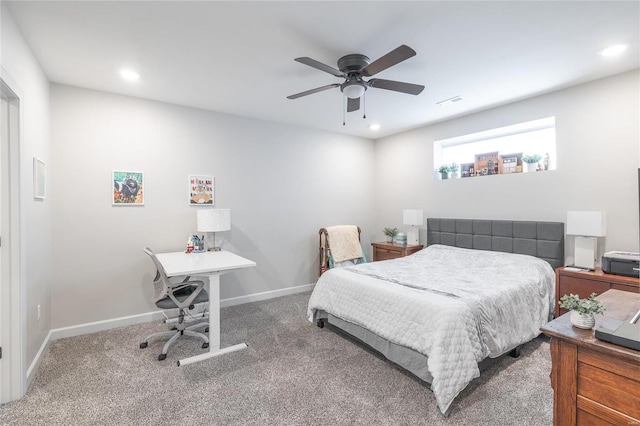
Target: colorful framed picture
x=128 y=188
x=39 y=178
x=201 y=190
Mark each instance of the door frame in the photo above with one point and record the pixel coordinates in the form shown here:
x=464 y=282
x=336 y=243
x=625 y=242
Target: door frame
x=13 y=320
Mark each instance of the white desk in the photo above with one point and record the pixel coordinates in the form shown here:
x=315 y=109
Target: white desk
x=211 y=264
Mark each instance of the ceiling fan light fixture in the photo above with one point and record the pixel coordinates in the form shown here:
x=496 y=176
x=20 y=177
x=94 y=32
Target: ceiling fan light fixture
x=353 y=90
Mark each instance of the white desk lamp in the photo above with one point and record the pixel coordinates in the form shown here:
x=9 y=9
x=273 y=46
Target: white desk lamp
x=587 y=226
x=214 y=220
x=413 y=218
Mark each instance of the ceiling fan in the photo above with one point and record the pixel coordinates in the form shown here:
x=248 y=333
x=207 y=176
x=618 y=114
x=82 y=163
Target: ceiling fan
x=354 y=67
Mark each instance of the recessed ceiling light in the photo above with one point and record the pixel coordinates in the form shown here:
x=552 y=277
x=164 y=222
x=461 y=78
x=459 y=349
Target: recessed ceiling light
x=615 y=50
x=375 y=127
x=129 y=75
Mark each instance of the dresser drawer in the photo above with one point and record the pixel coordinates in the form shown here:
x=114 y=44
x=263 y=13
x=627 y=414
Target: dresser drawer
x=607 y=387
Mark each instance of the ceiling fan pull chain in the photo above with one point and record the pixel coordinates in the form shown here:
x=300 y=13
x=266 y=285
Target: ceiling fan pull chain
x=344 y=107
x=364 y=106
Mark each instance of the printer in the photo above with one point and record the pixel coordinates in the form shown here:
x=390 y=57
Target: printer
x=621 y=263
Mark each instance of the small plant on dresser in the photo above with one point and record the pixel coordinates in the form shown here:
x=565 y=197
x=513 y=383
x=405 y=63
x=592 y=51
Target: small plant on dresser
x=583 y=311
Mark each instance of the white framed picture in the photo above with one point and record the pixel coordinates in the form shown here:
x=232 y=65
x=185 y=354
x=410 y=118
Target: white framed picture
x=201 y=190
x=39 y=178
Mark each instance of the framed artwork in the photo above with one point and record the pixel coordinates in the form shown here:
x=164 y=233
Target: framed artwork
x=128 y=188
x=201 y=190
x=39 y=178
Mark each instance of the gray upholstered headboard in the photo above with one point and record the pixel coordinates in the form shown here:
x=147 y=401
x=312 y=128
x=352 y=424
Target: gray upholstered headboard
x=540 y=239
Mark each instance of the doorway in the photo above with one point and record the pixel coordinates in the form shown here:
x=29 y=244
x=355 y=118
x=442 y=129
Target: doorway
x=12 y=371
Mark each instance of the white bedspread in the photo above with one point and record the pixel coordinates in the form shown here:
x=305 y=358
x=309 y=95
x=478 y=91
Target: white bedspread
x=456 y=306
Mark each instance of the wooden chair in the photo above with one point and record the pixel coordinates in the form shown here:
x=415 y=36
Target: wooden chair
x=325 y=251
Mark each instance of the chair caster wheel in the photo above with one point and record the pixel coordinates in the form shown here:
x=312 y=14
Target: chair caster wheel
x=205 y=345
x=162 y=357
x=178 y=363
x=206 y=330
x=144 y=345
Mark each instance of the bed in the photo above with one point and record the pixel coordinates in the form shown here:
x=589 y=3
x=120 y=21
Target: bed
x=480 y=289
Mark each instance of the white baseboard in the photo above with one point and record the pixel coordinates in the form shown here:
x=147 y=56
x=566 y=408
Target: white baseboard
x=232 y=301
x=37 y=360
x=92 y=327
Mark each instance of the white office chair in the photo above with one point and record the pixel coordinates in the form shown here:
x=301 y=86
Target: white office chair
x=183 y=295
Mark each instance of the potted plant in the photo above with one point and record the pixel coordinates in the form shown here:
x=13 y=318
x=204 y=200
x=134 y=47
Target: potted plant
x=583 y=311
x=454 y=170
x=390 y=233
x=444 y=170
x=531 y=161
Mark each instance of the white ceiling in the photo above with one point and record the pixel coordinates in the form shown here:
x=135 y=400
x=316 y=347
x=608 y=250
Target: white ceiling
x=237 y=57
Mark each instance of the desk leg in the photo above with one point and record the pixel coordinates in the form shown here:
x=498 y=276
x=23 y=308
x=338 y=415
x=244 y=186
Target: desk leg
x=214 y=326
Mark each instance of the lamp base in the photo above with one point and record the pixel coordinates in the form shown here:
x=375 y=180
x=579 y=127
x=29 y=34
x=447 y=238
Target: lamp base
x=585 y=252
x=413 y=237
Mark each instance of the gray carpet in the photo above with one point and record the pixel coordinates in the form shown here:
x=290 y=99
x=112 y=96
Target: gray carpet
x=293 y=373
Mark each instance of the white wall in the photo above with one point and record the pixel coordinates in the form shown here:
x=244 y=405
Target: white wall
x=19 y=63
x=281 y=183
x=597 y=134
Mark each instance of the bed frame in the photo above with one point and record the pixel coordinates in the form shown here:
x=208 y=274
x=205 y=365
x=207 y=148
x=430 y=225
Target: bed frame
x=544 y=240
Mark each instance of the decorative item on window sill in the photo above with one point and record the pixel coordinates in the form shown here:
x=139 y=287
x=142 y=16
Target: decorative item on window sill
x=531 y=162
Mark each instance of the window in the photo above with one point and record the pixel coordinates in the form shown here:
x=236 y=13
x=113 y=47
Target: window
x=523 y=147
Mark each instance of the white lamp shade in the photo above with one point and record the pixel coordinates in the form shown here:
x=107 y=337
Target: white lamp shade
x=592 y=224
x=412 y=217
x=214 y=220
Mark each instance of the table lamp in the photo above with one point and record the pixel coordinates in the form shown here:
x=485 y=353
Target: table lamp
x=214 y=220
x=587 y=226
x=413 y=218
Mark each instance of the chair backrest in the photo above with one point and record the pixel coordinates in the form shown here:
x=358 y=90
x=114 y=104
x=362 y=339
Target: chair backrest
x=161 y=282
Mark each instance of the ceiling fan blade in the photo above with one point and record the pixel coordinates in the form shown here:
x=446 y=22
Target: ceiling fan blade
x=312 y=91
x=320 y=66
x=390 y=59
x=353 y=104
x=396 y=86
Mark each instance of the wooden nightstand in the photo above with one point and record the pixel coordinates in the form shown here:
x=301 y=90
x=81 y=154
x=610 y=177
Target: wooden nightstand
x=386 y=251
x=584 y=283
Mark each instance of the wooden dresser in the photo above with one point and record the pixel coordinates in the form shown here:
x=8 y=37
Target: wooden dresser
x=594 y=382
x=583 y=283
x=386 y=251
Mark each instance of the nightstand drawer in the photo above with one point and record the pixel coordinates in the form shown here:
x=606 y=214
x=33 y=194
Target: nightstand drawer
x=581 y=287
x=386 y=254
x=386 y=251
